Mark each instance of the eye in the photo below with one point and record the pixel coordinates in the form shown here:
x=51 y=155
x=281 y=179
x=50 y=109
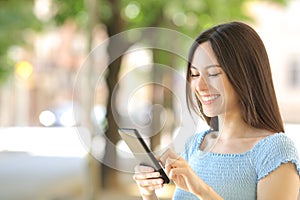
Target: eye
x=194 y=73
x=214 y=74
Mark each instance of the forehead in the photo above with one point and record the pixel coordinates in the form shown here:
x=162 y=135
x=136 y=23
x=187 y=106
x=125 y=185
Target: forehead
x=204 y=56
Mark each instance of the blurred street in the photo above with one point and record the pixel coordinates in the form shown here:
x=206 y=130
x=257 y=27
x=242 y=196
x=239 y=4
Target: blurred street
x=35 y=165
x=25 y=177
x=34 y=177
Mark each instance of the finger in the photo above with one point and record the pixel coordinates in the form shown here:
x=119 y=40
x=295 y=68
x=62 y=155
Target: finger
x=175 y=163
x=180 y=162
x=155 y=187
x=169 y=164
x=150 y=189
x=150 y=182
x=174 y=172
x=143 y=176
x=169 y=153
x=143 y=168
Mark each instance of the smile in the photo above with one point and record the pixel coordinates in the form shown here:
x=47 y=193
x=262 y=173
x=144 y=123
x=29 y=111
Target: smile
x=208 y=99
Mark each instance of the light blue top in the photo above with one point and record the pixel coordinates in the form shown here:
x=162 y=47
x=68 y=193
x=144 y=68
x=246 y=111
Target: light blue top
x=235 y=176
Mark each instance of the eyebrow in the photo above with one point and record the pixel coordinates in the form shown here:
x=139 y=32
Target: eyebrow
x=207 y=67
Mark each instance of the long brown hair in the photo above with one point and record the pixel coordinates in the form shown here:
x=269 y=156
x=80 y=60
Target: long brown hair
x=243 y=57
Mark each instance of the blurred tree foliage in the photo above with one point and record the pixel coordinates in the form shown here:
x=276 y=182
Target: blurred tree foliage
x=16 y=19
x=189 y=16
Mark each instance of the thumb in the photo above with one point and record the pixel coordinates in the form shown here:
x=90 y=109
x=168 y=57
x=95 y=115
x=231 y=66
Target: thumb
x=169 y=153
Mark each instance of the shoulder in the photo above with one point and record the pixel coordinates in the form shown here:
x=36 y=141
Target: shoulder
x=273 y=151
x=278 y=143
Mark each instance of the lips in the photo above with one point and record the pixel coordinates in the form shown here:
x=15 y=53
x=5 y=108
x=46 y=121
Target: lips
x=208 y=99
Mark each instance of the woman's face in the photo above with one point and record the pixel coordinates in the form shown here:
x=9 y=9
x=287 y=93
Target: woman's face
x=210 y=83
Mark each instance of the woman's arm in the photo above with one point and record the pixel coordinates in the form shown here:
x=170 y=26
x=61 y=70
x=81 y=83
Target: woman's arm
x=282 y=183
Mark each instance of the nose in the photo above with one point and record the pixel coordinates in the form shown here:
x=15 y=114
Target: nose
x=201 y=84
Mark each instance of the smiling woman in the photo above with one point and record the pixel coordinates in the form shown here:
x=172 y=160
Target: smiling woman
x=248 y=157
x=210 y=83
x=253 y=85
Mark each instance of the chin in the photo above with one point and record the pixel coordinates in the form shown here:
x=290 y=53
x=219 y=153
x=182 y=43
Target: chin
x=210 y=113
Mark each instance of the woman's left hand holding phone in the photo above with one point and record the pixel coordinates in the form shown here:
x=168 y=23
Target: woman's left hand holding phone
x=147 y=180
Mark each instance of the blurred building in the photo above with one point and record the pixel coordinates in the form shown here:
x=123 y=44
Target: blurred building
x=44 y=78
x=280 y=30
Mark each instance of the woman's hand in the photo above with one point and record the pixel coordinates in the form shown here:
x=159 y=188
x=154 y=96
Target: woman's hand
x=185 y=178
x=147 y=181
x=180 y=172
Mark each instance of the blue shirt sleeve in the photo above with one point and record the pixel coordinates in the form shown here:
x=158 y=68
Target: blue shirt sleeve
x=273 y=152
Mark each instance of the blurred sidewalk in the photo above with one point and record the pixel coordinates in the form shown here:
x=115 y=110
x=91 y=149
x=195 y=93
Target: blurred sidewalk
x=25 y=177
x=39 y=163
x=51 y=164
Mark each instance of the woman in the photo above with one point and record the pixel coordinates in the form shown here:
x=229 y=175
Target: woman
x=249 y=156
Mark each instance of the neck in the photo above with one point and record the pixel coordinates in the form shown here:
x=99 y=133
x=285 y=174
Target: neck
x=233 y=126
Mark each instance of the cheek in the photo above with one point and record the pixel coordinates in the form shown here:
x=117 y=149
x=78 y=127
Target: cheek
x=233 y=97
x=230 y=96
x=228 y=90
x=218 y=85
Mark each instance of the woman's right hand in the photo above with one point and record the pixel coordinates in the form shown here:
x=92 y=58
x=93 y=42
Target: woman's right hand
x=147 y=180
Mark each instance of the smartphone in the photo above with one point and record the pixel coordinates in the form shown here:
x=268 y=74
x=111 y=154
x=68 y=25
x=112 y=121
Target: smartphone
x=141 y=151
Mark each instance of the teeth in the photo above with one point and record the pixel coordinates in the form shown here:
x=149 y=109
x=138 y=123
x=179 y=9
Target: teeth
x=209 y=98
